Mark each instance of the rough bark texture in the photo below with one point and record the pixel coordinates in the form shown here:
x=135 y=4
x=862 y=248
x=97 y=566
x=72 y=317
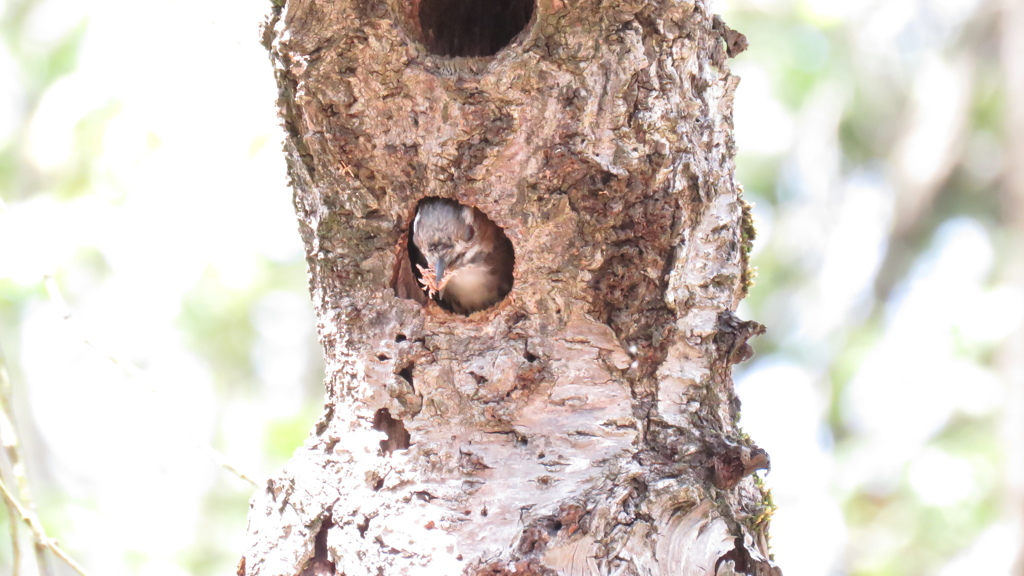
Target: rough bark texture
x=585 y=425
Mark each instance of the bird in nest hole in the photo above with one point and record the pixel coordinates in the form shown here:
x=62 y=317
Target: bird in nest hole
x=466 y=260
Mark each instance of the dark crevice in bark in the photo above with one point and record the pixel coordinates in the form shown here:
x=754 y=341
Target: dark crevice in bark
x=363 y=526
x=727 y=464
x=405 y=280
x=518 y=439
x=406 y=374
x=397 y=436
x=325 y=419
x=744 y=563
x=320 y=564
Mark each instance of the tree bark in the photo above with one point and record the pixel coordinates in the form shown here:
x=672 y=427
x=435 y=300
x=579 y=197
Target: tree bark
x=586 y=424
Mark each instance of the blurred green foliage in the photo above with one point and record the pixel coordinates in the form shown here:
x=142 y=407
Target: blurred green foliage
x=861 y=82
x=62 y=215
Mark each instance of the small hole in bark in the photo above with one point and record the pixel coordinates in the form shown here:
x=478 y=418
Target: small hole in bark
x=472 y=27
x=320 y=563
x=363 y=526
x=480 y=380
x=406 y=374
x=400 y=338
x=383 y=357
x=530 y=357
x=472 y=255
x=397 y=436
x=483 y=511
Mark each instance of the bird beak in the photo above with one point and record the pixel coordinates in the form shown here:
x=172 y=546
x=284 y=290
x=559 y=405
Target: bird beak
x=439 y=265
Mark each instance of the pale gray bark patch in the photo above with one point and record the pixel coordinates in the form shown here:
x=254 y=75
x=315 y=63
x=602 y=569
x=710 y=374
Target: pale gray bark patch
x=586 y=424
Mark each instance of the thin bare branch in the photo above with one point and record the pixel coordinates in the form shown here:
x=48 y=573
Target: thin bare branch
x=12 y=520
x=36 y=527
x=16 y=463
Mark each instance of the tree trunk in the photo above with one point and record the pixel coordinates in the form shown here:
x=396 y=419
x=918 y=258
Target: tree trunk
x=584 y=425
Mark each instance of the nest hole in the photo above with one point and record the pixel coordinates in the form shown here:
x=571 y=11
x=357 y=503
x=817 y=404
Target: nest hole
x=455 y=255
x=472 y=27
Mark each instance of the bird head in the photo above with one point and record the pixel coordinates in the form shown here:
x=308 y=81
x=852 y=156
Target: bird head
x=443 y=232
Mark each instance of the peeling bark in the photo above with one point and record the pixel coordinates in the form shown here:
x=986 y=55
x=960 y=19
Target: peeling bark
x=586 y=425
